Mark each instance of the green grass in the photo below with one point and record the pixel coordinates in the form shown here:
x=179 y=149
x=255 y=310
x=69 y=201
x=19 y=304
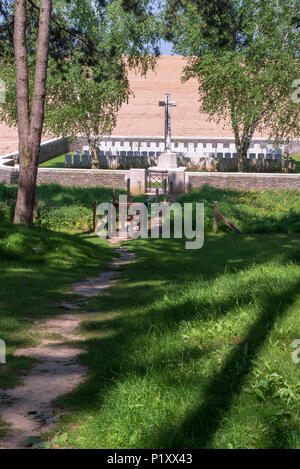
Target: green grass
x=58 y=162
x=192 y=349
x=59 y=207
x=272 y=211
x=297 y=158
x=37 y=265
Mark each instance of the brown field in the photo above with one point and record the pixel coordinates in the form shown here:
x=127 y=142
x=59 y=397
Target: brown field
x=143 y=116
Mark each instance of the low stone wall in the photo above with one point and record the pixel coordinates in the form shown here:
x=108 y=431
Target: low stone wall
x=82 y=177
x=70 y=177
x=9 y=175
x=49 y=150
x=242 y=181
x=118 y=178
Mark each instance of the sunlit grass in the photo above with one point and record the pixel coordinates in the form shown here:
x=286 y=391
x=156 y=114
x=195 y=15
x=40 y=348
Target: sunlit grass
x=193 y=349
x=58 y=162
x=36 y=268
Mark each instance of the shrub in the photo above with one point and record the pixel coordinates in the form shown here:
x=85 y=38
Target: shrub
x=271 y=211
x=65 y=217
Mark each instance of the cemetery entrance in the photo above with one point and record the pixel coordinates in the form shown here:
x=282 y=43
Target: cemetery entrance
x=156 y=179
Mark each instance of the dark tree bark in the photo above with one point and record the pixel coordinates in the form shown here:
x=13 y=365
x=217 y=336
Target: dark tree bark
x=30 y=122
x=94 y=148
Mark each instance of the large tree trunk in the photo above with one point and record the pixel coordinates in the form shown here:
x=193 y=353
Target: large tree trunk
x=30 y=125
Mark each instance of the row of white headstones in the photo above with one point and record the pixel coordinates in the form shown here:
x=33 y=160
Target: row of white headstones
x=180 y=147
x=152 y=150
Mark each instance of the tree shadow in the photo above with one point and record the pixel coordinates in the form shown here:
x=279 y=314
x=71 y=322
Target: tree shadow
x=199 y=426
x=111 y=357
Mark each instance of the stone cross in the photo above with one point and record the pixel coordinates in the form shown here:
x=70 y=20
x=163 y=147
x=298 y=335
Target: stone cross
x=167 y=104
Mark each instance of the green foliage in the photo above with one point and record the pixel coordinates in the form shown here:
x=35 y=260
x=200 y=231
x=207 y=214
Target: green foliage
x=59 y=207
x=272 y=211
x=237 y=50
x=72 y=217
x=268 y=385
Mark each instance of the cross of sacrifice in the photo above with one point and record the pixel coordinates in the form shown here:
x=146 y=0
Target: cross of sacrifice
x=167 y=104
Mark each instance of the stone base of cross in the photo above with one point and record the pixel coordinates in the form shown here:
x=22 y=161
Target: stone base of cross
x=168 y=160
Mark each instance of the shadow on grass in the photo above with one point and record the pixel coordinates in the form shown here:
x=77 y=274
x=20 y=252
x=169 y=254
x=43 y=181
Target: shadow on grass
x=112 y=357
x=36 y=266
x=56 y=195
x=202 y=423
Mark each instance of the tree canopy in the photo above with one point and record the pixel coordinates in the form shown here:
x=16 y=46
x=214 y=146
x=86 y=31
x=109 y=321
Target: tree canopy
x=65 y=68
x=92 y=46
x=86 y=96
x=245 y=56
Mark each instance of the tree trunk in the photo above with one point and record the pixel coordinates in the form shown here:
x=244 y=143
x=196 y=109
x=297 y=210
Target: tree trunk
x=26 y=192
x=242 y=158
x=94 y=147
x=242 y=147
x=30 y=125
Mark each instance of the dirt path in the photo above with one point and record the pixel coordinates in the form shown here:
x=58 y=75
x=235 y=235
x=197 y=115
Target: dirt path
x=28 y=408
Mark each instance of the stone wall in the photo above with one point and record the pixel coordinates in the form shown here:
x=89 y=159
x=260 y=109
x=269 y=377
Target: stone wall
x=118 y=178
x=70 y=177
x=49 y=150
x=242 y=181
x=8 y=175
x=82 y=177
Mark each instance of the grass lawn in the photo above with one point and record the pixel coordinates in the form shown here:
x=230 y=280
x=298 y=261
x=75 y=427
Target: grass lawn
x=37 y=265
x=192 y=349
x=58 y=162
x=270 y=211
x=59 y=207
